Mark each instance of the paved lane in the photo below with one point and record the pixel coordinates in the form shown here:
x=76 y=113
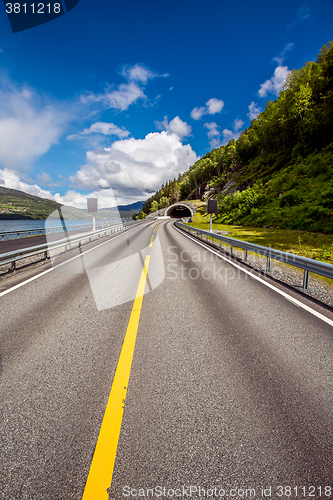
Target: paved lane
x=58 y=358
x=230 y=387
x=231 y=384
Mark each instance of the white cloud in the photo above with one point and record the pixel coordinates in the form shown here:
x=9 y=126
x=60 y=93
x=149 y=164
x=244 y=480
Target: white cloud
x=213 y=134
x=227 y=135
x=120 y=99
x=212 y=129
x=11 y=179
x=45 y=179
x=139 y=73
x=126 y=93
x=212 y=107
x=232 y=134
x=238 y=124
x=197 y=113
x=286 y=48
x=101 y=128
x=176 y=126
x=134 y=168
x=254 y=110
x=29 y=125
x=274 y=84
x=106 y=199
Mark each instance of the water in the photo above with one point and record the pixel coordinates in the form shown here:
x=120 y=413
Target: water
x=28 y=225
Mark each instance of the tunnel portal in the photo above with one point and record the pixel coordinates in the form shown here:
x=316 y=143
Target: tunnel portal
x=178 y=210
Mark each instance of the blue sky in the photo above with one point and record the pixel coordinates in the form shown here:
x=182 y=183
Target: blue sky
x=118 y=97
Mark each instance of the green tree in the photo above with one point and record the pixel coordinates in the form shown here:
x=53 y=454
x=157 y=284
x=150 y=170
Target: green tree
x=154 y=206
x=164 y=202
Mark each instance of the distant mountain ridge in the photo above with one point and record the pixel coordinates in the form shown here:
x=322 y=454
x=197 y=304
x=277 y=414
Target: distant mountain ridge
x=15 y=204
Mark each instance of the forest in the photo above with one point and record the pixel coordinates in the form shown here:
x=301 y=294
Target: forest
x=279 y=172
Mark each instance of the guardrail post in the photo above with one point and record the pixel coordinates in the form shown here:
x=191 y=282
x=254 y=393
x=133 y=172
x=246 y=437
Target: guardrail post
x=268 y=265
x=45 y=255
x=230 y=249
x=306 y=279
x=13 y=266
x=245 y=257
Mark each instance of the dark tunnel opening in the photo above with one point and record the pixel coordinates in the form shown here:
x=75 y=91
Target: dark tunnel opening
x=179 y=211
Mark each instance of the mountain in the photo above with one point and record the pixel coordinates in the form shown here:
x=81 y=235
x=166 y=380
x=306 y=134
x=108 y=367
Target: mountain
x=125 y=211
x=279 y=172
x=15 y=204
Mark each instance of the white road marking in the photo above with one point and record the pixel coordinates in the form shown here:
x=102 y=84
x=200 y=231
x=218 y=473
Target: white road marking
x=55 y=267
x=284 y=294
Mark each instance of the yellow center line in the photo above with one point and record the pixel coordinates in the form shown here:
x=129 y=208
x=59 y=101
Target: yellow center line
x=151 y=240
x=101 y=470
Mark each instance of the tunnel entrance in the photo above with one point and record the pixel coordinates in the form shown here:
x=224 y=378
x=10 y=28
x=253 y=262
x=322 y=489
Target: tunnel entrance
x=178 y=211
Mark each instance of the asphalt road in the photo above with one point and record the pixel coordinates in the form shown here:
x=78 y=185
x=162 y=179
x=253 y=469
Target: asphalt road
x=230 y=386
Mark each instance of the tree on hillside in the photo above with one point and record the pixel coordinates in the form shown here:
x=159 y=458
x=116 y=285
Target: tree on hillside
x=154 y=206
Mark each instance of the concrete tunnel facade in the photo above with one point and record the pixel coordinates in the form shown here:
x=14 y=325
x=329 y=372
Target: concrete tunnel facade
x=180 y=209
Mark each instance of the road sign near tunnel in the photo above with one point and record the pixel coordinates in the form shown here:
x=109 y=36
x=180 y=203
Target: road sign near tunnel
x=211 y=209
x=211 y=206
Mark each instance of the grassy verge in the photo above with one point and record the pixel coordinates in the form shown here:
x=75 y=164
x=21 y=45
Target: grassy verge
x=307 y=244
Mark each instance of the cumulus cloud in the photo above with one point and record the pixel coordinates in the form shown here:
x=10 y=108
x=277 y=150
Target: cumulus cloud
x=134 y=168
x=29 y=125
x=106 y=199
x=139 y=73
x=232 y=134
x=274 y=84
x=101 y=128
x=125 y=94
x=11 y=179
x=254 y=110
x=213 y=134
x=212 y=107
x=176 y=126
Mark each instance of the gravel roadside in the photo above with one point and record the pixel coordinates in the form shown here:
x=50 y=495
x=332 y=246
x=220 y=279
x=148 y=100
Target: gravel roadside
x=318 y=288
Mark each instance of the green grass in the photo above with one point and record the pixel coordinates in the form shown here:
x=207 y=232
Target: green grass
x=308 y=244
x=305 y=243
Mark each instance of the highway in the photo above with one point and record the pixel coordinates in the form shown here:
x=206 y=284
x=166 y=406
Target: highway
x=216 y=383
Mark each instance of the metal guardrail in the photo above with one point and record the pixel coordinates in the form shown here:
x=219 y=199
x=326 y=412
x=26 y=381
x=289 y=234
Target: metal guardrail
x=44 y=230
x=15 y=255
x=308 y=265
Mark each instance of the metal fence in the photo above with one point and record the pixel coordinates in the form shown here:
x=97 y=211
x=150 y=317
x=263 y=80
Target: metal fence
x=15 y=255
x=308 y=265
x=8 y=235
